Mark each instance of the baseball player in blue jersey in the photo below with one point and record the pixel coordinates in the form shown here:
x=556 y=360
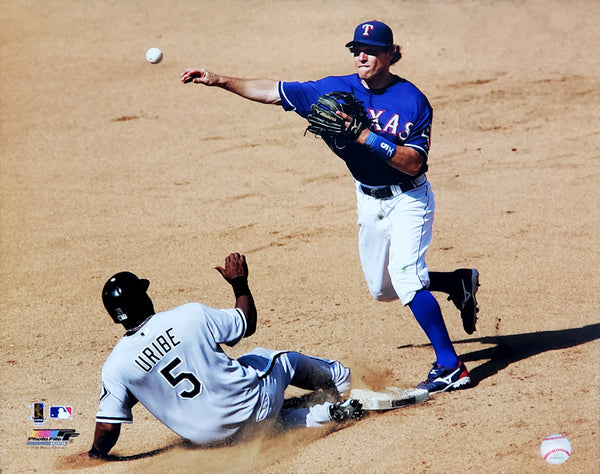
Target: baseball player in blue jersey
x=388 y=161
x=173 y=364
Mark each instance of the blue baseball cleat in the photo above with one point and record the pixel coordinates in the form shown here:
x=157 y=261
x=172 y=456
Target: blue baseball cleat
x=444 y=379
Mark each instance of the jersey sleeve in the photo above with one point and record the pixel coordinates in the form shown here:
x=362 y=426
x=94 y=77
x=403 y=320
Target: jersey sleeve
x=228 y=326
x=115 y=400
x=417 y=134
x=299 y=96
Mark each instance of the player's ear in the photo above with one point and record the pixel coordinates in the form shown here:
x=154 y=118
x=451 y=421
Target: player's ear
x=396 y=53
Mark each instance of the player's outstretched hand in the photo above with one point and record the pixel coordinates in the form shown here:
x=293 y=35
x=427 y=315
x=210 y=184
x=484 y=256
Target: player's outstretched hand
x=197 y=76
x=235 y=266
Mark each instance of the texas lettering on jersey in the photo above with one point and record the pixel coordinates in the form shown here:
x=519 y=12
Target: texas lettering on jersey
x=392 y=126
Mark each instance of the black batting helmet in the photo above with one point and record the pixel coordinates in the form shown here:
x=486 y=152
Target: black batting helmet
x=124 y=297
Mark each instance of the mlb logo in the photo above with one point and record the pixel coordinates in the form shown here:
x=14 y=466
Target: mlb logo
x=61 y=413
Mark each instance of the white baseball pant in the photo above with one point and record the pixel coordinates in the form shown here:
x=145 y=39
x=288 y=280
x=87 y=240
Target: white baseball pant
x=393 y=238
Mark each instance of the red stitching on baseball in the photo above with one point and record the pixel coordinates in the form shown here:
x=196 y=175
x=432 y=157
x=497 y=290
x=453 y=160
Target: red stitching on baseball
x=551 y=438
x=556 y=451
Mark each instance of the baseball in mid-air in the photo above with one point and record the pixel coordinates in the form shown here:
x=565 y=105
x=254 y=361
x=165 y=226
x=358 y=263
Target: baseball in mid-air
x=154 y=55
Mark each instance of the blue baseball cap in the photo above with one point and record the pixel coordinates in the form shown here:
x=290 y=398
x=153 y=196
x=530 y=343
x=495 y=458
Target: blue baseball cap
x=374 y=33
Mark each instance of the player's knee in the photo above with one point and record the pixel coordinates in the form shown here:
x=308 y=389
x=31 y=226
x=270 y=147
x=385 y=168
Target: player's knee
x=342 y=379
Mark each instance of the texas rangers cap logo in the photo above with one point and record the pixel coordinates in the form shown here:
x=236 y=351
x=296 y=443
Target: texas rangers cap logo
x=366 y=28
x=374 y=33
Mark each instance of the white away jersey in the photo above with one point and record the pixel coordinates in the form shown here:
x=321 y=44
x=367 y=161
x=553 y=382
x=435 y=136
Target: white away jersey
x=175 y=367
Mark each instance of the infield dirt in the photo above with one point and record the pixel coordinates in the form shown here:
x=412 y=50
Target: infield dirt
x=109 y=163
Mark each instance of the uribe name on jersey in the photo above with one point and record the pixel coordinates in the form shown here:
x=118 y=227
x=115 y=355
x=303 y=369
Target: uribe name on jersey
x=161 y=346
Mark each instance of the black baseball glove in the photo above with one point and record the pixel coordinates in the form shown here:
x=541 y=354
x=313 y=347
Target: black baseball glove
x=325 y=123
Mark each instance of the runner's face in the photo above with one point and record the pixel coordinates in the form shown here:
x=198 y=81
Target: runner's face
x=371 y=61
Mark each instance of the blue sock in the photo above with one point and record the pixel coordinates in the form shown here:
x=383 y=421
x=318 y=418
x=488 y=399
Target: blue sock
x=429 y=316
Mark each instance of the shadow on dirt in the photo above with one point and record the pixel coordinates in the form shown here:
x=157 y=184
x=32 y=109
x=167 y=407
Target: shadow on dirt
x=513 y=348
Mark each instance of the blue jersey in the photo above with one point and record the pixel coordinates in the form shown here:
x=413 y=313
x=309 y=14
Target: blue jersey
x=400 y=113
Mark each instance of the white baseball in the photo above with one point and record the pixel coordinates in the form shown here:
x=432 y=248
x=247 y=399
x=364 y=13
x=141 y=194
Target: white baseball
x=555 y=449
x=154 y=55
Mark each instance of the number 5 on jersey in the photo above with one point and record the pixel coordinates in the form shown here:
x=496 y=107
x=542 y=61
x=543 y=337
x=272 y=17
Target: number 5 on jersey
x=175 y=380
